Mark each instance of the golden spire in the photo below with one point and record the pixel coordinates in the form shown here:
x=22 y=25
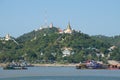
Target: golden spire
x=68 y=30
x=69 y=27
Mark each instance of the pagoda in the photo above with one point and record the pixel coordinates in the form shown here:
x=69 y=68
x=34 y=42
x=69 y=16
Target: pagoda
x=68 y=30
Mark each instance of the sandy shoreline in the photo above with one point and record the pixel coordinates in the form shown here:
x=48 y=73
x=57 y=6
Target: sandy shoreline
x=38 y=65
x=2 y=64
x=59 y=65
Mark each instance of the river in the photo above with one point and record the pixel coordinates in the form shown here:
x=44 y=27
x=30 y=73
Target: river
x=58 y=73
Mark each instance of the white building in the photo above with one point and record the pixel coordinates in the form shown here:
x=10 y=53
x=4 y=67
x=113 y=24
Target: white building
x=7 y=37
x=51 y=25
x=66 y=51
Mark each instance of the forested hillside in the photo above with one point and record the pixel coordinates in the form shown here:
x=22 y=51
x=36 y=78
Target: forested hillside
x=115 y=40
x=48 y=45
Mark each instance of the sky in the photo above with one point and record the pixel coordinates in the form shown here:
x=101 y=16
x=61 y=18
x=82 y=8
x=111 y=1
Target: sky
x=93 y=17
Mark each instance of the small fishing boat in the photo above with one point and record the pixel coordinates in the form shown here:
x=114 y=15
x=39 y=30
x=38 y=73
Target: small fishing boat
x=12 y=67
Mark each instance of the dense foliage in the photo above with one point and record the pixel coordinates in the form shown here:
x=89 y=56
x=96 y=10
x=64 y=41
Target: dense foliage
x=47 y=45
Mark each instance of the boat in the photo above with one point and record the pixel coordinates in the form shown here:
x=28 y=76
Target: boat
x=113 y=67
x=91 y=65
x=14 y=67
x=81 y=66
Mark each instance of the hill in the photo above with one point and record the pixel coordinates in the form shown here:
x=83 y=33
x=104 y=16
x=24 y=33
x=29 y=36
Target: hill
x=48 y=45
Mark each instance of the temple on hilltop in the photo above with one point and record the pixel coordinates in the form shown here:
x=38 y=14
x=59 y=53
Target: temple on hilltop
x=7 y=37
x=51 y=25
x=68 y=30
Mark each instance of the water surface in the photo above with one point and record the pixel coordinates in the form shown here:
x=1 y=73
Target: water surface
x=58 y=73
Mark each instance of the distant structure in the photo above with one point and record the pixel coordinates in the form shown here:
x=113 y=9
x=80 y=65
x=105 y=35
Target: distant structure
x=45 y=20
x=51 y=25
x=60 y=31
x=7 y=37
x=68 y=30
x=112 y=48
x=66 y=51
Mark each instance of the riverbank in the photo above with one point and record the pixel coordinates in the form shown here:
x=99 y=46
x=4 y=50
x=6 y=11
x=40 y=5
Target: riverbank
x=2 y=64
x=47 y=65
x=52 y=65
x=111 y=62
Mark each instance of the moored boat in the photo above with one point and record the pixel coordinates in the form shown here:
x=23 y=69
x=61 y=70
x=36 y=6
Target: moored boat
x=91 y=65
x=13 y=67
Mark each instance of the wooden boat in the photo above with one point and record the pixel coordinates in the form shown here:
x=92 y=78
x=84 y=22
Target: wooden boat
x=114 y=67
x=14 y=68
x=81 y=66
x=91 y=65
x=11 y=67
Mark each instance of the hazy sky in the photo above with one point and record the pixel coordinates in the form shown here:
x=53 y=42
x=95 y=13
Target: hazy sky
x=92 y=17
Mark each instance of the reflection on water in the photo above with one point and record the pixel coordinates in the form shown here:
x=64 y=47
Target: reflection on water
x=58 y=73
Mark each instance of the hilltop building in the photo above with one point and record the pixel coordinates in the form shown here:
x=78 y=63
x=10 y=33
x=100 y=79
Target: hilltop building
x=68 y=30
x=7 y=37
x=51 y=25
x=60 y=31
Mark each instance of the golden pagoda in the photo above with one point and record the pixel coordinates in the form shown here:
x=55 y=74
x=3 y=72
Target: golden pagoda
x=68 y=30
